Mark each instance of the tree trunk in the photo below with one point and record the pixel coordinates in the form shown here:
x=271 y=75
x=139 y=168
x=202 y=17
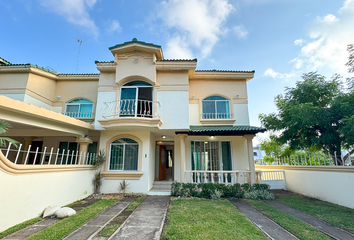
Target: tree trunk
x=347 y=155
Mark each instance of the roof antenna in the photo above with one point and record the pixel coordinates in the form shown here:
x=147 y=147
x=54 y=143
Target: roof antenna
x=78 y=57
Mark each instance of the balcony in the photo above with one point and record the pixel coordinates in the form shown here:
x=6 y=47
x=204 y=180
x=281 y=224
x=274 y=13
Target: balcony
x=217 y=118
x=131 y=114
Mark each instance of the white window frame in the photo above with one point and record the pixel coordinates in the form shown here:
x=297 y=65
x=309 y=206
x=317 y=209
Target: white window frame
x=110 y=152
x=78 y=104
x=216 y=108
x=136 y=96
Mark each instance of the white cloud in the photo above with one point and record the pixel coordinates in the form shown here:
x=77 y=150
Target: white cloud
x=198 y=23
x=75 y=12
x=297 y=63
x=114 y=27
x=240 y=31
x=271 y=73
x=330 y=35
x=177 y=47
x=299 y=42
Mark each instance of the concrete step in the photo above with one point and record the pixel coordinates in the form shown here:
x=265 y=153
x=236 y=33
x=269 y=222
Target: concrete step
x=162 y=187
x=159 y=192
x=163 y=183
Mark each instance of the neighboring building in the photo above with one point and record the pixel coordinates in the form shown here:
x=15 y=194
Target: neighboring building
x=258 y=154
x=157 y=119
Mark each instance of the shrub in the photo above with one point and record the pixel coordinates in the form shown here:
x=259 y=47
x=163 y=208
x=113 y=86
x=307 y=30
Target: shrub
x=259 y=194
x=218 y=190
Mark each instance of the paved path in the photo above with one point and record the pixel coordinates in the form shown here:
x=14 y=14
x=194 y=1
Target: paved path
x=32 y=229
x=92 y=227
x=270 y=228
x=324 y=227
x=146 y=222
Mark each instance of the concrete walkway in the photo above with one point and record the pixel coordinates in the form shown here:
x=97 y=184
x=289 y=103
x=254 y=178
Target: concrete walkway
x=324 y=227
x=96 y=224
x=32 y=229
x=146 y=222
x=270 y=228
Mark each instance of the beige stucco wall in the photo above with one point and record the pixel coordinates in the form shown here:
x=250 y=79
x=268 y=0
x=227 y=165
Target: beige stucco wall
x=42 y=88
x=331 y=184
x=127 y=69
x=147 y=155
x=70 y=90
x=26 y=196
x=13 y=82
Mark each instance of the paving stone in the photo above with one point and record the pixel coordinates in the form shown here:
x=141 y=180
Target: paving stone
x=270 y=228
x=84 y=233
x=146 y=221
x=322 y=226
x=97 y=223
x=31 y=230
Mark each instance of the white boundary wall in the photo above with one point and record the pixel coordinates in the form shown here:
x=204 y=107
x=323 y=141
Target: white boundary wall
x=23 y=197
x=333 y=184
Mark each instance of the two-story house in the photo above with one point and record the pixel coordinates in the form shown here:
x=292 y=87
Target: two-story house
x=159 y=120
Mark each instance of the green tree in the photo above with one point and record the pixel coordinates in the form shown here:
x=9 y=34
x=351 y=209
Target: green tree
x=316 y=112
x=4 y=126
x=274 y=149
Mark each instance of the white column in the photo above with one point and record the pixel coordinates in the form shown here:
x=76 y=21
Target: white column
x=83 y=146
x=249 y=138
x=182 y=144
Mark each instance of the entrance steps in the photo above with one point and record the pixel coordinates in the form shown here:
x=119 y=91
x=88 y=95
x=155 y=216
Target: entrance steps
x=162 y=188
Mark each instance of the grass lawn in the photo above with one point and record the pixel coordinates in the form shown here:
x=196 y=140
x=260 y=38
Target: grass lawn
x=208 y=219
x=295 y=226
x=20 y=226
x=67 y=225
x=119 y=220
x=335 y=215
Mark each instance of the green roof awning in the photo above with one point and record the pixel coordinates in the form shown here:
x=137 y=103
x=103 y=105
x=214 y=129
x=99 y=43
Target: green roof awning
x=223 y=130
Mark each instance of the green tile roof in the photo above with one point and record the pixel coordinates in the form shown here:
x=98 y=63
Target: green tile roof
x=224 y=130
x=135 y=41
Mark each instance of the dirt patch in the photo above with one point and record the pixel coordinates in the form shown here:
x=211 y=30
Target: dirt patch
x=283 y=193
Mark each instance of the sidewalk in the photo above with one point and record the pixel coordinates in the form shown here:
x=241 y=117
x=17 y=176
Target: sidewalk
x=270 y=228
x=146 y=222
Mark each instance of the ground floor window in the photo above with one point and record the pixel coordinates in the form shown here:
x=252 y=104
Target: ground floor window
x=124 y=155
x=211 y=156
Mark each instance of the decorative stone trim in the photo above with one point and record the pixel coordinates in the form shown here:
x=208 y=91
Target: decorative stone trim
x=122 y=122
x=308 y=168
x=228 y=121
x=16 y=169
x=121 y=175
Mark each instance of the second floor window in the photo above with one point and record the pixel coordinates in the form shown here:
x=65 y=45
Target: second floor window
x=79 y=108
x=136 y=99
x=215 y=107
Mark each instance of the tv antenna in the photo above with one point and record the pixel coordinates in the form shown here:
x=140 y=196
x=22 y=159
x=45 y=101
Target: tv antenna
x=78 y=57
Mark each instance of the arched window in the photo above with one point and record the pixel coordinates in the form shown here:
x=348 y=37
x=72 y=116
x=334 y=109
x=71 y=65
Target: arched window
x=215 y=107
x=79 y=108
x=136 y=99
x=124 y=155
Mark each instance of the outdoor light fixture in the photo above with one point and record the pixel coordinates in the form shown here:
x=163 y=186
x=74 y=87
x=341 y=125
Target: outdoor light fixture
x=163 y=136
x=211 y=136
x=58 y=97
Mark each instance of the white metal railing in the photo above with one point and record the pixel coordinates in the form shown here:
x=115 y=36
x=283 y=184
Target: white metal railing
x=216 y=115
x=79 y=114
x=50 y=157
x=275 y=179
x=226 y=177
x=131 y=108
x=312 y=160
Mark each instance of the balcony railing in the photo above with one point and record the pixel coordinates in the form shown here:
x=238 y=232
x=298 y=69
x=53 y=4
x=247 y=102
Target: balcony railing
x=79 y=114
x=50 y=156
x=216 y=115
x=131 y=108
x=226 y=177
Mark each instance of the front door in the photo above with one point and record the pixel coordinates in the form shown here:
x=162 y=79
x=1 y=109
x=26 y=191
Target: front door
x=162 y=163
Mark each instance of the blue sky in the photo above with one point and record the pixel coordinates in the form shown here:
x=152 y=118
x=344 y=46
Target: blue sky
x=278 y=39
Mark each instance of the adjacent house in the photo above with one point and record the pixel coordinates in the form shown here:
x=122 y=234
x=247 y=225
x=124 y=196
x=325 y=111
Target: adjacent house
x=159 y=120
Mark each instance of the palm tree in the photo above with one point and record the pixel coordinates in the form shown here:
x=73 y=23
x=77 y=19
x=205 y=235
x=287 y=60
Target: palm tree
x=4 y=126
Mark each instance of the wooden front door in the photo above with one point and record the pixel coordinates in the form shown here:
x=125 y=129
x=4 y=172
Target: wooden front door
x=162 y=163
